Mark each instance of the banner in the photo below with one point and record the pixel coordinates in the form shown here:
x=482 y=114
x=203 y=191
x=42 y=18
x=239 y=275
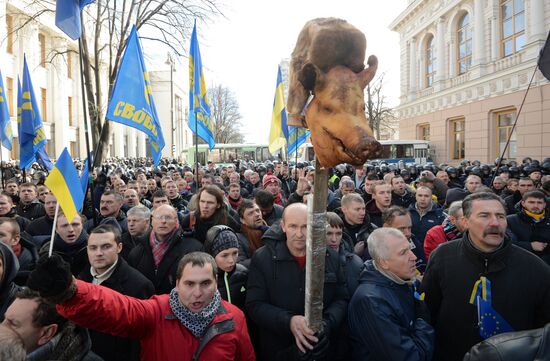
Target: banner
x=67 y=16
x=6 y=133
x=279 y=129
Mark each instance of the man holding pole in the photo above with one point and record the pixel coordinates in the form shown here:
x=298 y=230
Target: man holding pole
x=276 y=293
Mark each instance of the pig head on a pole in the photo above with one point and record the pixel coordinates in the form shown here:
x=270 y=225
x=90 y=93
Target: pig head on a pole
x=329 y=62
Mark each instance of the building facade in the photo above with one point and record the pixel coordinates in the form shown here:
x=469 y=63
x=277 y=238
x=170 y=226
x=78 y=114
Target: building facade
x=53 y=63
x=465 y=68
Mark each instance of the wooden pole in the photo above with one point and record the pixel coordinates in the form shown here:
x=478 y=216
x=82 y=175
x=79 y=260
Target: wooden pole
x=316 y=249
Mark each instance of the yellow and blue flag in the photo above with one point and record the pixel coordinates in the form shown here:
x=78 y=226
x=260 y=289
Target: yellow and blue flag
x=67 y=16
x=279 y=129
x=296 y=137
x=32 y=138
x=200 y=121
x=6 y=133
x=132 y=98
x=490 y=322
x=63 y=181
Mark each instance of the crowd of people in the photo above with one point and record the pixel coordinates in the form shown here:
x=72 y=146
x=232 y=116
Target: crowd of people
x=432 y=262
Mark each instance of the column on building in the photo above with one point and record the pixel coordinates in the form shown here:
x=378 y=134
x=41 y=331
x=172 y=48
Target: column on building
x=58 y=89
x=495 y=32
x=132 y=142
x=440 y=50
x=478 y=54
x=535 y=17
x=141 y=144
x=412 y=64
x=118 y=137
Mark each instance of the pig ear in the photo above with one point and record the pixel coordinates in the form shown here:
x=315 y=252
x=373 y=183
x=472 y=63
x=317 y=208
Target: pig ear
x=308 y=76
x=366 y=75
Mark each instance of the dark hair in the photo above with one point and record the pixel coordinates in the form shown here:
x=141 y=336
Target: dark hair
x=394 y=211
x=527 y=179
x=159 y=193
x=531 y=194
x=479 y=196
x=546 y=186
x=220 y=215
x=107 y=228
x=333 y=220
x=45 y=313
x=372 y=177
x=7 y=195
x=197 y=259
x=233 y=185
x=28 y=185
x=245 y=204
x=264 y=199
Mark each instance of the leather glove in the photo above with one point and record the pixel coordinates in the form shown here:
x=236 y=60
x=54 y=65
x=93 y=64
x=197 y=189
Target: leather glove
x=320 y=349
x=53 y=279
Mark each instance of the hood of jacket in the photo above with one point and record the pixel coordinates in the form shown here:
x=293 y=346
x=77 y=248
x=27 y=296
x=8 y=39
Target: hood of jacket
x=11 y=266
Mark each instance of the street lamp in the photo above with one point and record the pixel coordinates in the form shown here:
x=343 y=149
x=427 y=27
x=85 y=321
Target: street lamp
x=170 y=61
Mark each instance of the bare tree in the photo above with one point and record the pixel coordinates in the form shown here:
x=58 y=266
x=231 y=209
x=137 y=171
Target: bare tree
x=225 y=114
x=381 y=117
x=106 y=26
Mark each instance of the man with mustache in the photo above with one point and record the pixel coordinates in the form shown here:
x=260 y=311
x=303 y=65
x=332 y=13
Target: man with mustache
x=518 y=288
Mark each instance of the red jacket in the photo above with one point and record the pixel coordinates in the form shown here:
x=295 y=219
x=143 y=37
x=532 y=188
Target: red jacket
x=434 y=237
x=161 y=334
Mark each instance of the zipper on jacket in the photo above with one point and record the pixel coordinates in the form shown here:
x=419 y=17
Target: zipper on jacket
x=486 y=270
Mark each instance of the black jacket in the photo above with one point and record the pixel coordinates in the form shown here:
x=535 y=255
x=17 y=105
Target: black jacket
x=40 y=227
x=130 y=282
x=179 y=203
x=531 y=345
x=31 y=211
x=511 y=202
x=236 y=280
x=276 y=289
x=8 y=288
x=525 y=230
x=403 y=200
x=356 y=233
x=27 y=259
x=520 y=285
x=163 y=278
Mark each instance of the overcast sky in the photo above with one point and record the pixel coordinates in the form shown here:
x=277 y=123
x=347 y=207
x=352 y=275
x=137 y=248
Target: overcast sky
x=242 y=51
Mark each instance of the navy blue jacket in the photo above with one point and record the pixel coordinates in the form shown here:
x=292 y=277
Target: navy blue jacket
x=421 y=226
x=383 y=322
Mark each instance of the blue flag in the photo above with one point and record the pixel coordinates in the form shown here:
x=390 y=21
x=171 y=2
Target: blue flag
x=31 y=131
x=67 y=16
x=278 y=134
x=132 y=98
x=84 y=178
x=490 y=322
x=296 y=137
x=6 y=133
x=43 y=159
x=199 y=107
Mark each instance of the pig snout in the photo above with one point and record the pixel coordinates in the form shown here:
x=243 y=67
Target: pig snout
x=368 y=148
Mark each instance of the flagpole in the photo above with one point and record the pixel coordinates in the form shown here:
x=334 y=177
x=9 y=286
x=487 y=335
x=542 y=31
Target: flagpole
x=514 y=126
x=196 y=150
x=90 y=182
x=2 y=166
x=53 y=228
x=296 y=155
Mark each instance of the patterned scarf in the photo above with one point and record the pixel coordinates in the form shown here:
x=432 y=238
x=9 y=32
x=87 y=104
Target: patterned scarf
x=450 y=230
x=196 y=323
x=159 y=248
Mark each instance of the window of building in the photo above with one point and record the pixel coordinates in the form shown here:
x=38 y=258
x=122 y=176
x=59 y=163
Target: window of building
x=464 y=36
x=512 y=27
x=70 y=109
x=50 y=146
x=43 y=102
x=74 y=149
x=9 y=95
x=430 y=61
x=457 y=138
x=505 y=121
x=9 y=35
x=424 y=132
x=42 y=44
x=69 y=65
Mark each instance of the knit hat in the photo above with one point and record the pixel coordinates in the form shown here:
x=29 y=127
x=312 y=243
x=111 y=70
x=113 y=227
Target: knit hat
x=270 y=179
x=219 y=238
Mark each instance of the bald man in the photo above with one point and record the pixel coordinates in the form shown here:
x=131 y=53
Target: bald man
x=157 y=258
x=275 y=296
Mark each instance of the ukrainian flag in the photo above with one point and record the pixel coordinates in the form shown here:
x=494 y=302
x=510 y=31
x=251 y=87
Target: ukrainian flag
x=200 y=117
x=64 y=183
x=297 y=136
x=6 y=134
x=279 y=128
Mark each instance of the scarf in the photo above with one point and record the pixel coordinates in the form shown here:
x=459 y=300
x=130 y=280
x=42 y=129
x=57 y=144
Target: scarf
x=159 y=248
x=16 y=248
x=450 y=230
x=278 y=200
x=196 y=323
x=254 y=236
x=536 y=217
x=234 y=202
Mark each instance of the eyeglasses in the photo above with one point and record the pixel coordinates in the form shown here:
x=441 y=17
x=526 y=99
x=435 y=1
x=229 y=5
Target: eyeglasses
x=165 y=218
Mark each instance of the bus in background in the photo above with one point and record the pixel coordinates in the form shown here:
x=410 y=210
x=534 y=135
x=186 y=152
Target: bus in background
x=224 y=154
x=408 y=151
